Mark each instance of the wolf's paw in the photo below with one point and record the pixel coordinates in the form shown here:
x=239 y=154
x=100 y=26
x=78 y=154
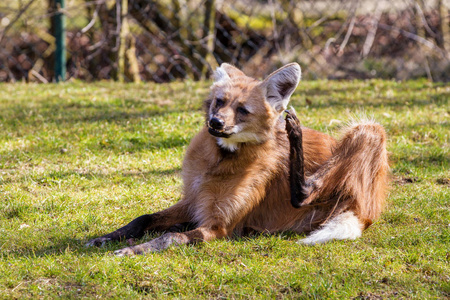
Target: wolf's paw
x=126 y=252
x=292 y=125
x=97 y=242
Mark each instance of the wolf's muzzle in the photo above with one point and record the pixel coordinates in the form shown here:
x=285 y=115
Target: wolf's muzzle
x=216 y=123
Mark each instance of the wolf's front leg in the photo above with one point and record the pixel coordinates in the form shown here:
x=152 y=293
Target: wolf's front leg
x=160 y=221
x=200 y=234
x=299 y=190
x=134 y=229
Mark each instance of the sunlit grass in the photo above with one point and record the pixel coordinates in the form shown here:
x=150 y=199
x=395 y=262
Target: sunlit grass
x=78 y=160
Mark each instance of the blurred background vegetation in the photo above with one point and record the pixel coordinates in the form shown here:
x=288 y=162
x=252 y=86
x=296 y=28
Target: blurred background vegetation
x=167 y=40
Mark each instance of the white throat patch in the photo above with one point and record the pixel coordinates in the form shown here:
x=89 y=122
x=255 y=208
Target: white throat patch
x=232 y=143
x=227 y=145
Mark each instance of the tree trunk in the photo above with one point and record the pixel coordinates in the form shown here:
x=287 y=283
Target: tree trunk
x=207 y=50
x=445 y=26
x=123 y=32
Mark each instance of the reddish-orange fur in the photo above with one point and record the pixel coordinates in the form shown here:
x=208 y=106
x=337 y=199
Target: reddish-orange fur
x=241 y=182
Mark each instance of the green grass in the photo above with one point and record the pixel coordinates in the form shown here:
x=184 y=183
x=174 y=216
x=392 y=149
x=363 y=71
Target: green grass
x=79 y=160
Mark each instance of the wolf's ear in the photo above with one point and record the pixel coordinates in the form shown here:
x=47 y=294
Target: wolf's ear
x=280 y=85
x=225 y=72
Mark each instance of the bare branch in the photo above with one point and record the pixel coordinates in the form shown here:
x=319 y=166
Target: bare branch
x=372 y=32
x=413 y=37
x=347 y=35
x=424 y=21
x=92 y=22
x=24 y=9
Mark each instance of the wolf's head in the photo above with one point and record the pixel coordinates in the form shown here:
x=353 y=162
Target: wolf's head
x=241 y=109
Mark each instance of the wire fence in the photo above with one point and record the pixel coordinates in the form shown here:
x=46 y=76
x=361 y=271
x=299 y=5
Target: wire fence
x=161 y=41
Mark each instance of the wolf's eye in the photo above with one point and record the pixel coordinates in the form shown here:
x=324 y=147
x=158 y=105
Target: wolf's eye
x=219 y=102
x=242 y=110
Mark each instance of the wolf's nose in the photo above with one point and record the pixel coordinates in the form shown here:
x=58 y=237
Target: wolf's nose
x=216 y=123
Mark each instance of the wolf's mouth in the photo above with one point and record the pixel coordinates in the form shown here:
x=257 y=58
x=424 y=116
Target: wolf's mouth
x=217 y=133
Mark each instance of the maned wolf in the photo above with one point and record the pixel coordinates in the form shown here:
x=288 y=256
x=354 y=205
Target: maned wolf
x=248 y=169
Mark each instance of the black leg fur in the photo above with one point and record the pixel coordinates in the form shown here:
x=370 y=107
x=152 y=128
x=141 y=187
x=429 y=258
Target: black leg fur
x=140 y=226
x=135 y=229
x=299 y=190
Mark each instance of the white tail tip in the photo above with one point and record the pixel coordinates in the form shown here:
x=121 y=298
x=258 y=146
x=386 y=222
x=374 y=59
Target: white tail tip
x=342 y=227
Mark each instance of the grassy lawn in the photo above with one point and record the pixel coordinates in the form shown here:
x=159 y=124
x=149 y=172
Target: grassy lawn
x=78 y=160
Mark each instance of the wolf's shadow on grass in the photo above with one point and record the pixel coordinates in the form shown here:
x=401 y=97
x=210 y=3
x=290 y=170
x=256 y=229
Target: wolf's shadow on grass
x=63 y=244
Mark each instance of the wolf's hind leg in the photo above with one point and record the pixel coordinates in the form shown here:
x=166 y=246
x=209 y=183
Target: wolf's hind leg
x=352 y=183
x=299 y=189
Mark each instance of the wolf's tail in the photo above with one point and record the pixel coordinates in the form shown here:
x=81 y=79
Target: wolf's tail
x=353 y=183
